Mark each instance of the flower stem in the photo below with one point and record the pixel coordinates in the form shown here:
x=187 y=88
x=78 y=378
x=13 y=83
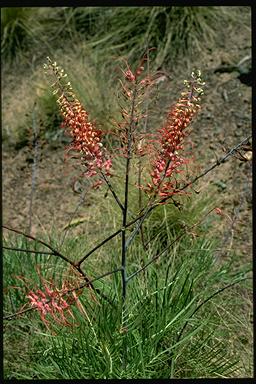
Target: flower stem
x=127 y=171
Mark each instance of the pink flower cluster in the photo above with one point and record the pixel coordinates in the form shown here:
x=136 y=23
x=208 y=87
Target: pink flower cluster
x=169 y=140
x=51 y=302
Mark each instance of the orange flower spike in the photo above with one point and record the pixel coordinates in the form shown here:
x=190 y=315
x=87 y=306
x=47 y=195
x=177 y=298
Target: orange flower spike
x=86 y=138
x=171 y=136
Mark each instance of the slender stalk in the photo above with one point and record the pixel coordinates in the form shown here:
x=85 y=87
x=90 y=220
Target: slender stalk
x=54 y=251
x=126 y=193
x=112 y=190
x=216 y=164
x=95 y=279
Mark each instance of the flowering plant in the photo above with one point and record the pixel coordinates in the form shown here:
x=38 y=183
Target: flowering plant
x=163 y=148
x=158 y=159
x=161 y=154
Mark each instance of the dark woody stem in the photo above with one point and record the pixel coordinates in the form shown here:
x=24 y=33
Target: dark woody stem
x=127 y=171
x=126 y=193
x=54 y=251
x=28 y=251
x=148 y=209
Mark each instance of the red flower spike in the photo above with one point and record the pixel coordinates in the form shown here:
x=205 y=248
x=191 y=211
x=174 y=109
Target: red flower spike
x=170 y=138
x=87 y=140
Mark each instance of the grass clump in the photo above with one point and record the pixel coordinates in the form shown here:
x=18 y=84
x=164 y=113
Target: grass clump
x=172 y=331
x=183 y=315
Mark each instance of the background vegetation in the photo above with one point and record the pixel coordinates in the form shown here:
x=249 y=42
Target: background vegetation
x=177 y=327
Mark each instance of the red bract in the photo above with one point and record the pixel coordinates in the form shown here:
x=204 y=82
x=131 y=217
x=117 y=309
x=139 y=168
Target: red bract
x=170 y=137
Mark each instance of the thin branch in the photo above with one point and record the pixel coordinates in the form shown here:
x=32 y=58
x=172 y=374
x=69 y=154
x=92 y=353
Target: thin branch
x=216 y=164
x=18 y=313
x=54 y=251
x=95 y=279
x=112 y=190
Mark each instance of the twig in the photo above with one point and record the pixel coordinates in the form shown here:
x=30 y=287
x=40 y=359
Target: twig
x=18 y=313
x=54 y=251
x=112 y=190
x=95 y=279
x=216 y=164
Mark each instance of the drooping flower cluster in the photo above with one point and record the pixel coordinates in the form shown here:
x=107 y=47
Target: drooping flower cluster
x=55 y=303
x=87 y=140
x=50 y=303
x=170 y=137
